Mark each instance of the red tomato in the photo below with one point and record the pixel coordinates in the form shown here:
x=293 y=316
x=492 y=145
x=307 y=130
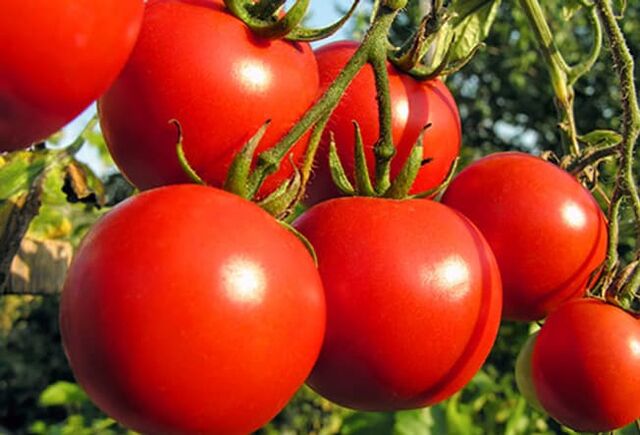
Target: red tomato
x=546 y=231
x=56 y=57
x=190 y=310
x=196 y=63
x=413 y=301
x=586 y=366
x=414 y=105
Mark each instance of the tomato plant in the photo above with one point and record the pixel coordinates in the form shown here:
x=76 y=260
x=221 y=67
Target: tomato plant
x=414 y=105
x=190 y=310
x=546 y=231
x=56 y=57
x=413 y=301
x=196 y=63
x=586 y=366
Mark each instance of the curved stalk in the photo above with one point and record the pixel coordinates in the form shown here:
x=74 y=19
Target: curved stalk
x=623 y=65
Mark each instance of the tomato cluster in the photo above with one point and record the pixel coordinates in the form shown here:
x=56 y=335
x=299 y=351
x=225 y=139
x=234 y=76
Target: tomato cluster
x=191 y=310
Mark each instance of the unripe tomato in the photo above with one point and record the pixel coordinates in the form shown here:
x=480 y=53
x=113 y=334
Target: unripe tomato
x=547 y=231
x=196 y=63
x=413 y=301
x=56 y=57
x=586 y=366
x=524 y=377
x=414 y=104
x=190 y=310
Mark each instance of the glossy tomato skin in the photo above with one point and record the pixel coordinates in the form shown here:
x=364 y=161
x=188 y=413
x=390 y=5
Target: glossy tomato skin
x=189 y=310
x=547 y=231
x=586 y=366
x=414 y=105
x=413 y=301
x=56 y=57
x=196 y=63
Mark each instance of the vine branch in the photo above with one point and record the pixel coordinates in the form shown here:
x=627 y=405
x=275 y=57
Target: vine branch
x=624 y=66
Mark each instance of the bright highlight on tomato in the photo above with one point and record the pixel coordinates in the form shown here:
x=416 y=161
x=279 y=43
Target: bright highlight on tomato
x=196 y=63
x=190 y=310
x=413 y=301
x=586 y=366
x=547 y=232
x=56 y=57
x=414 y=105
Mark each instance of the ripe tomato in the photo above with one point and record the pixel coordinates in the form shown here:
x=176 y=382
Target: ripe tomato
x=546 y=230
x=413 y=301
x=586 y=366
x=190 y=310
x=196 y=63
x=56 y=57
x=414 y=105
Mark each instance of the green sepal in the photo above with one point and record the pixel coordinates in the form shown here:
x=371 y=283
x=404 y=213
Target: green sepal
x=308 y=35
x=442 y=186
x=338 y=174
x=182 y=157
x=270 y=29
x=280 y=201
x=363 y=186
x=401 y=185
x=307 y=244
x=237 y=180
x=265 y=9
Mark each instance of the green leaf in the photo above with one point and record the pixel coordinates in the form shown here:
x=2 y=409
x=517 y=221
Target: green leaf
x=415 y=422
x=570 y=7
x=19 y=173
x=367 y=423
x=601 y=138
x=471 y=26
x=62 y=393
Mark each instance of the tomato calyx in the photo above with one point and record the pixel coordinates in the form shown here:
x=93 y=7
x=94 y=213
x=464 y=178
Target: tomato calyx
x=265 y=19
x=364 y=186
x=440 y=45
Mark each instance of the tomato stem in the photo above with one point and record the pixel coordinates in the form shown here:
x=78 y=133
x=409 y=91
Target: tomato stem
x=558 y=71
x=269 y=160
x=384 y=150
x=271 y=29
x=624 y=66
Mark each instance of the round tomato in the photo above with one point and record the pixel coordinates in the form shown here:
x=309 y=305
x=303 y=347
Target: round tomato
x=586 y=366
x=190 y=310
x=413 y=301
x=414 y=105
x=546 y=230
x=56 y=57
x=196 y=63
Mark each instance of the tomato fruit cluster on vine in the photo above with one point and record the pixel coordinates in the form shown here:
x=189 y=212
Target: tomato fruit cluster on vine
x=188 y=309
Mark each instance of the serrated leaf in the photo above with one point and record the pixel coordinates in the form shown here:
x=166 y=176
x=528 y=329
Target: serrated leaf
x=62 y=393
x=472 y=25
x=601 y=138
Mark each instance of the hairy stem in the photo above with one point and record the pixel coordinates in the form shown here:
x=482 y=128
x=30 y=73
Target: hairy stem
x=558 y=71
x=269 y=161
x=624 y=66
